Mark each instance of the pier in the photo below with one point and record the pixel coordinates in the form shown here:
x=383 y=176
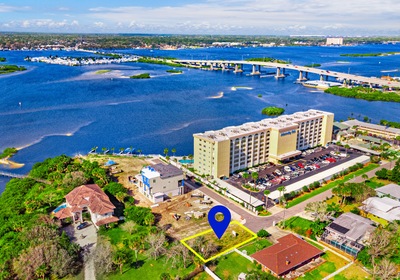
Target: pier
x=255 y=66
x=22 y=176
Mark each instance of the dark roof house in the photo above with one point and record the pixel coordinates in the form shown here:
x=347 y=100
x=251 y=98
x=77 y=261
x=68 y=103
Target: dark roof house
x=288 y=254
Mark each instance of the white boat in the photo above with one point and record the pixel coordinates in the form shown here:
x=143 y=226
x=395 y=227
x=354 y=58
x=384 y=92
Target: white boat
x=320 y=84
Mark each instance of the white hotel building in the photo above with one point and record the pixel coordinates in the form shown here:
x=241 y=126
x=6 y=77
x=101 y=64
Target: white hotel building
x=220 y=153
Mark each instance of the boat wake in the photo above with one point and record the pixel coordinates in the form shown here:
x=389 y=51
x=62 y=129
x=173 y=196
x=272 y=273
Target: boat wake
x=239 y=88
x=220 y=95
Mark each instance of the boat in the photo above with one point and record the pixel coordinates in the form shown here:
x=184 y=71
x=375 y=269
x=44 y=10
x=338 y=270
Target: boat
x=320 y=84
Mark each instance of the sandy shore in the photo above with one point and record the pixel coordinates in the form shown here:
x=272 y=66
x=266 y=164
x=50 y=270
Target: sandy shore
x=10 y=163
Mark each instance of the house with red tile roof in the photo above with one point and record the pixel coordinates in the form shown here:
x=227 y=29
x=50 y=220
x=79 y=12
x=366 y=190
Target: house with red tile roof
x=89 y=198
x=287 y=255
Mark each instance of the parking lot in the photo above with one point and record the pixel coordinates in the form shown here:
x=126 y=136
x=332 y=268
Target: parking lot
x=312 y=161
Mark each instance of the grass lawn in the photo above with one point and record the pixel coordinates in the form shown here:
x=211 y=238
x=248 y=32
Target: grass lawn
x=116 y=235
x=298 y=224
x=378 y=220
x=202 y=276
x=333 y=263
x=255 y=246
x=231 y=265
x=376 y=183
x=228 y=241
x=331 y=185
x=353 y=272
x=150 y=269
x=315 y=244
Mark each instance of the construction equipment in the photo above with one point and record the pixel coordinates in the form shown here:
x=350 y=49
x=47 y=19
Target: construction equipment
x=176 y=216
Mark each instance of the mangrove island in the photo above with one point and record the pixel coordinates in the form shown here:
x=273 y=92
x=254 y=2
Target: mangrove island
x=272 y=111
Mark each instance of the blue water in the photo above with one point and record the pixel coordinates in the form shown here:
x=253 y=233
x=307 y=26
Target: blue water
x=164 y=111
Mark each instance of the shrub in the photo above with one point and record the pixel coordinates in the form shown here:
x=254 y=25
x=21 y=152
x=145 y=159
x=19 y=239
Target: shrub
x=263 y=233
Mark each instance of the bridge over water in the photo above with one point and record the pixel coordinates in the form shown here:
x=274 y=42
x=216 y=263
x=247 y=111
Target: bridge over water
x=237 y=67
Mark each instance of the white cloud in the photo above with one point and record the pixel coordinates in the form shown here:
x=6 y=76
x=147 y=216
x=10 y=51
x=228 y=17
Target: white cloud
x=8 y=9
x=258 y=16
x=46 y=24
x=99 y=24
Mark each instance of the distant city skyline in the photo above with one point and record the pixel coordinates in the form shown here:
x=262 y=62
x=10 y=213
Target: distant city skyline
x=230 y=17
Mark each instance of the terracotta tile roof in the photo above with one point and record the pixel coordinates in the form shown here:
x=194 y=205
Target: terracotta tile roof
x=111 y=219
x=63 y=213
x=288 y=253
x=90 y=196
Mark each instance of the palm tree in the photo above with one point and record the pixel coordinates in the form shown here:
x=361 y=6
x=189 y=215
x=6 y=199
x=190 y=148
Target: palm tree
x=245 y=177
x=254 y=175
x=140 y=152
x=112 y=150
x=166 y=151
x=281 y=190
x=134 y=243
x=173 y=150
x=121 y=150
x=365 y=177
x=347 y=146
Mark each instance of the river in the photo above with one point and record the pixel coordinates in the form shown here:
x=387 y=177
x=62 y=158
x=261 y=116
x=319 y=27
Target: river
x=69 y=110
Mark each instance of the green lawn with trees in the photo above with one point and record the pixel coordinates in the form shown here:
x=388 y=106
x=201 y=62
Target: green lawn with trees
x=160 y=61
x=174 y=71
x=141 y=76
x=31 y=244
x=8 y=69
x=313 y=65
x=369 y=54
x=365 y=94
x=272 y=111
x=8 y=152
x=268 y=59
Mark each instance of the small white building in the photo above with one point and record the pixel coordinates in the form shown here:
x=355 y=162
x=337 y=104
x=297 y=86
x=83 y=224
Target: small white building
x=390 y=190
x=160 y=181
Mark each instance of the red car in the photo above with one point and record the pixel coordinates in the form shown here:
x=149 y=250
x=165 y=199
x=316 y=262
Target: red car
x=300 y=165
x=317 y=166
x=331 y=160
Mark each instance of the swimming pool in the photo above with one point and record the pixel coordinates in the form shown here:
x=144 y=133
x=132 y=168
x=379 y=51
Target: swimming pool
x=62 y=206
x=186 y=161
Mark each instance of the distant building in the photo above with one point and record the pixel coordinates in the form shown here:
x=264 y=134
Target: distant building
x=89 y=198
x=390 y=190
x=349 y=233
x=220 y=153
x=374 y=129
x=287 y=255
x=336 y=41
x=160 y=181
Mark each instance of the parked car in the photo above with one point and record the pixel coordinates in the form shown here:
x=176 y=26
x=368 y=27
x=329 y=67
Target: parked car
x=278 y=172
x=82 y=225
x=287 y=168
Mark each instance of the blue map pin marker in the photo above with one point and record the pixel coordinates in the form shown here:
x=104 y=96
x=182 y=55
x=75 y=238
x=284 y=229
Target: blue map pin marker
x=219 y=227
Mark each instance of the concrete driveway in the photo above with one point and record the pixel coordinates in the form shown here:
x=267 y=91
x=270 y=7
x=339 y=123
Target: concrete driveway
x=87 y=239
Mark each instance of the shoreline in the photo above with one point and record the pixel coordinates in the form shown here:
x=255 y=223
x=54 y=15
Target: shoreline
x=11 y=164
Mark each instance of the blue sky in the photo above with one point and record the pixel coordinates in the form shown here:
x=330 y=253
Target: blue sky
x=258 y=17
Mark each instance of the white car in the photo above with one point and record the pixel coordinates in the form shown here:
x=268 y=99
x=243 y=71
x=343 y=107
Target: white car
x=287 y=169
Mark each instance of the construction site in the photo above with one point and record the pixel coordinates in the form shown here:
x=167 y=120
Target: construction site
x=184 y=215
